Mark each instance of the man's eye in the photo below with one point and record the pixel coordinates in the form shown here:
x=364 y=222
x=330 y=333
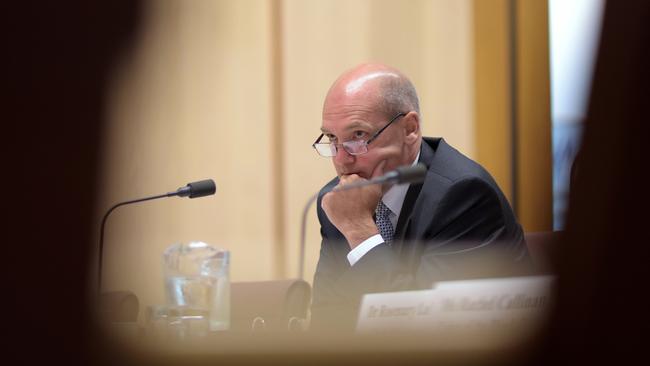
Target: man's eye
x=359 y=134
x=331 y=137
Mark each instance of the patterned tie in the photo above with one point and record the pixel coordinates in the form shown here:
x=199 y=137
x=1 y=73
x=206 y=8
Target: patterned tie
x=382 y=220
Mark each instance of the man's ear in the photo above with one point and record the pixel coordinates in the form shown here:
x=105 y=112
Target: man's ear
x=412 y=127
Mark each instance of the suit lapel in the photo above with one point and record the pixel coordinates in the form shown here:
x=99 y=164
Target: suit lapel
x=402 y=228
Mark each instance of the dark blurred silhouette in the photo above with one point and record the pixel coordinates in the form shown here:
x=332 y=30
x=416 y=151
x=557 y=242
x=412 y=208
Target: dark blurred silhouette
x=57 y=59
x=603 y=260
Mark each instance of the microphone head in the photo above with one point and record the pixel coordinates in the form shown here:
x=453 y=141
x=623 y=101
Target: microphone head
x=202 y=188
x=411 y=174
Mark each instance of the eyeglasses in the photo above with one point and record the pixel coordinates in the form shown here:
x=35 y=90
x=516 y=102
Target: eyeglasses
x=352 y=147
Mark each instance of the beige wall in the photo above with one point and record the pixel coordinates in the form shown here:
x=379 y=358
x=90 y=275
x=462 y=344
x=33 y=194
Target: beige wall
x=232 y=90
x=193 y=103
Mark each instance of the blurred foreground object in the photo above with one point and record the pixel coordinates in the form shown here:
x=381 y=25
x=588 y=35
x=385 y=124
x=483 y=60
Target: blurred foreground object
x=57 y=63
x=602 y=258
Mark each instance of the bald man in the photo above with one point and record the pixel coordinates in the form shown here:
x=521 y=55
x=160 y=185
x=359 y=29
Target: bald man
x=400 y=237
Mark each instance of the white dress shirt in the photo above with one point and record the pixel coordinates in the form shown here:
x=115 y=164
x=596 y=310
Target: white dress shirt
x=394 y=200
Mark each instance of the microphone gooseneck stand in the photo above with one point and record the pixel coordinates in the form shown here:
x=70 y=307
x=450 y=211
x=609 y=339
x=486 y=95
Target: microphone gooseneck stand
x=191 y=190
x=303 y=233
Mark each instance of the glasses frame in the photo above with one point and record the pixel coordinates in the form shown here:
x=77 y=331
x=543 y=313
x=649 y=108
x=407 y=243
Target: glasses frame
x=347 y=143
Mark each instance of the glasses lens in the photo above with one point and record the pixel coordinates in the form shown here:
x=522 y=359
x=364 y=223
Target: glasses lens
x=327 y=150
x=352 y=147
x=355 y=147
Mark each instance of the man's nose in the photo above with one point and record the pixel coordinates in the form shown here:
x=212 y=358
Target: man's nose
x=342 y=156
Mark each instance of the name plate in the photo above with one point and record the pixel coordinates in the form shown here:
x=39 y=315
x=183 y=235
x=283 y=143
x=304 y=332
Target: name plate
x=459 y=305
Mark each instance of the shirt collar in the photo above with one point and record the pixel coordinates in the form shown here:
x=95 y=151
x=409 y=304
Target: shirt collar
x=394 y=196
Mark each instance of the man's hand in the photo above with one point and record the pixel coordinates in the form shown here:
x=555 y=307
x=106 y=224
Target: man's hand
x=351 y=211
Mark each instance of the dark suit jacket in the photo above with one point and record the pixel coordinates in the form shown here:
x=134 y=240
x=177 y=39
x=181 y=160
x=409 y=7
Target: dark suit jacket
x=450 y=225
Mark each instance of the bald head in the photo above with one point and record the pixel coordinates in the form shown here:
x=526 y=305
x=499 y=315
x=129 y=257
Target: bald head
x=382 y=86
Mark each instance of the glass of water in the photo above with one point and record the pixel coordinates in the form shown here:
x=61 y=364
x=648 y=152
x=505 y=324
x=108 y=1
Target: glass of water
x=197 y=278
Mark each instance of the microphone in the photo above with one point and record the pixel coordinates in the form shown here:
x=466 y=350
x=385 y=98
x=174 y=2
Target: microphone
x=404 y=174
x=197 y=189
